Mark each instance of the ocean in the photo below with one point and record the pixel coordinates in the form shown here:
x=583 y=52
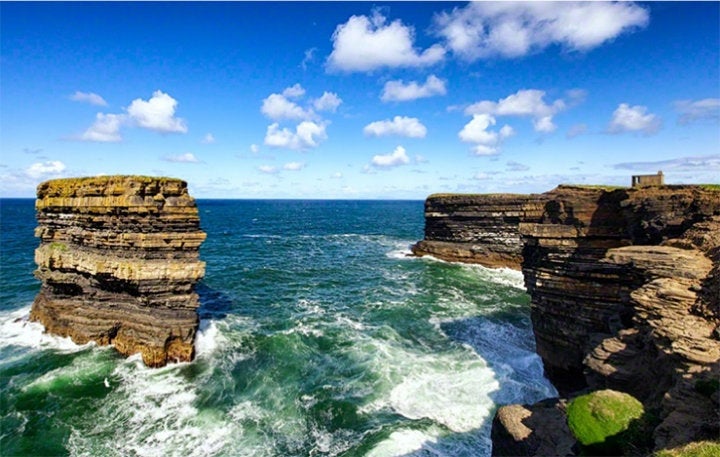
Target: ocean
x=319 y=336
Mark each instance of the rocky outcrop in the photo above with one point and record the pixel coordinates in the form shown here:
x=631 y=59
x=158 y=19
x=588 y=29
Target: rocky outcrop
x=532 y=430
x=118 y=260
x=625 y=295
x=481 y=229
x=578 y=296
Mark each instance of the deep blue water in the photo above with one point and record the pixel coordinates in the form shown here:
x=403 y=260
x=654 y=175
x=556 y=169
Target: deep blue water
x=319 y=337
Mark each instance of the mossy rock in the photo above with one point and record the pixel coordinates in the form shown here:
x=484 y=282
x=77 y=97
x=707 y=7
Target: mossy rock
x=696 y=449
x=605 y=421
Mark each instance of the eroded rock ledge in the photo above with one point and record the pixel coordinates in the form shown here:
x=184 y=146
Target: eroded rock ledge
x=118 y=260
x=625 y=294
x=482 y=229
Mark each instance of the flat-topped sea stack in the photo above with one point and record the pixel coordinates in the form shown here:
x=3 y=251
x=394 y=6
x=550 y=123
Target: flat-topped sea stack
x=119 y=260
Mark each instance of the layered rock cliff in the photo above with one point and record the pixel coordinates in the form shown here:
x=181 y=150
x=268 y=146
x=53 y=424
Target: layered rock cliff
x=118 y=260
x=480 y=229
x=625 y=294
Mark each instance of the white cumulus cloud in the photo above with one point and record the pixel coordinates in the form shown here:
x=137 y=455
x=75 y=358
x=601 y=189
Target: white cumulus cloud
x=157 y=113
x=209 y=138
x=188 y=157
x=628 y=118
x=42 y=169
x=105 y=129
x=695 y=110
x=394 y=159
x=486 y=141
x=523 y=103
x=368 y=43
x=277 y=107
x=329 y=101
x=88 y=97
x=307 y=135
x=400 y=125
x=514 y=29
x=398 y=91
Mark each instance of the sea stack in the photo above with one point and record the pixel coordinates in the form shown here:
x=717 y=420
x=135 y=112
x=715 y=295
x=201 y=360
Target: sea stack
x=119 y=260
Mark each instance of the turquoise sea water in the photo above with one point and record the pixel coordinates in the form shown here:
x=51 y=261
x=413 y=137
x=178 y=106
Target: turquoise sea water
x=318 y=337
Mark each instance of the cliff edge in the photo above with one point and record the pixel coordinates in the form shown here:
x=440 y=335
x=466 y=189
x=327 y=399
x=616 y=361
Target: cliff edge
x=118 y=260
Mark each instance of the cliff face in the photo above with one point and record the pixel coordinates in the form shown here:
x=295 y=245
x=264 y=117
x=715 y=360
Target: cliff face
x=580 y=277
x=625 y=294
x=118 y=260
x=480 y=229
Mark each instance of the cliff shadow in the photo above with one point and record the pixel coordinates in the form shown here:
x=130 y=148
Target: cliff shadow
x=214 y=304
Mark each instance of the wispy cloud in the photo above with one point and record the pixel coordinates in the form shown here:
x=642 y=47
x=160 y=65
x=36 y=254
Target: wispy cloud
x=576 y=130
x=398 y=91
x=516 y=166
x=698 y=110
x=410 y=127
x=88 y=97
x=188 y=157
x=696 y=163
x=209 y=138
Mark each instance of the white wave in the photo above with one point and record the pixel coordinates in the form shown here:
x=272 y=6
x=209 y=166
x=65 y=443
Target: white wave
x=401 y=251
x=452 y=388
x=91 y=368
x=206 y=339
x=404 y=442
x=458 y=400
x=151 y=413
x=17 y=330
x=503 y=276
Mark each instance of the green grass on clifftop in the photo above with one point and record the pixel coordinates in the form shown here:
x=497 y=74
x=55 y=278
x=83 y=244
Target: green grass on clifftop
x=604 y=420
x=710 y=186
x=697 y=449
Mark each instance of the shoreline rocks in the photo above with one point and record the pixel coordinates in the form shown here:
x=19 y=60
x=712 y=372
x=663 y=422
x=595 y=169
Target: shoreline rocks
x=118 y=260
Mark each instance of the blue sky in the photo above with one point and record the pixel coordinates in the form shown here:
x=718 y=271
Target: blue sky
x=359 y=100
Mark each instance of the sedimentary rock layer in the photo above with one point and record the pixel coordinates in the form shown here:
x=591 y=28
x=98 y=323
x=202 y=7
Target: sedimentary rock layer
x=625 y=294
x=118 y=260
x=578 y=296
x=480 y=229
